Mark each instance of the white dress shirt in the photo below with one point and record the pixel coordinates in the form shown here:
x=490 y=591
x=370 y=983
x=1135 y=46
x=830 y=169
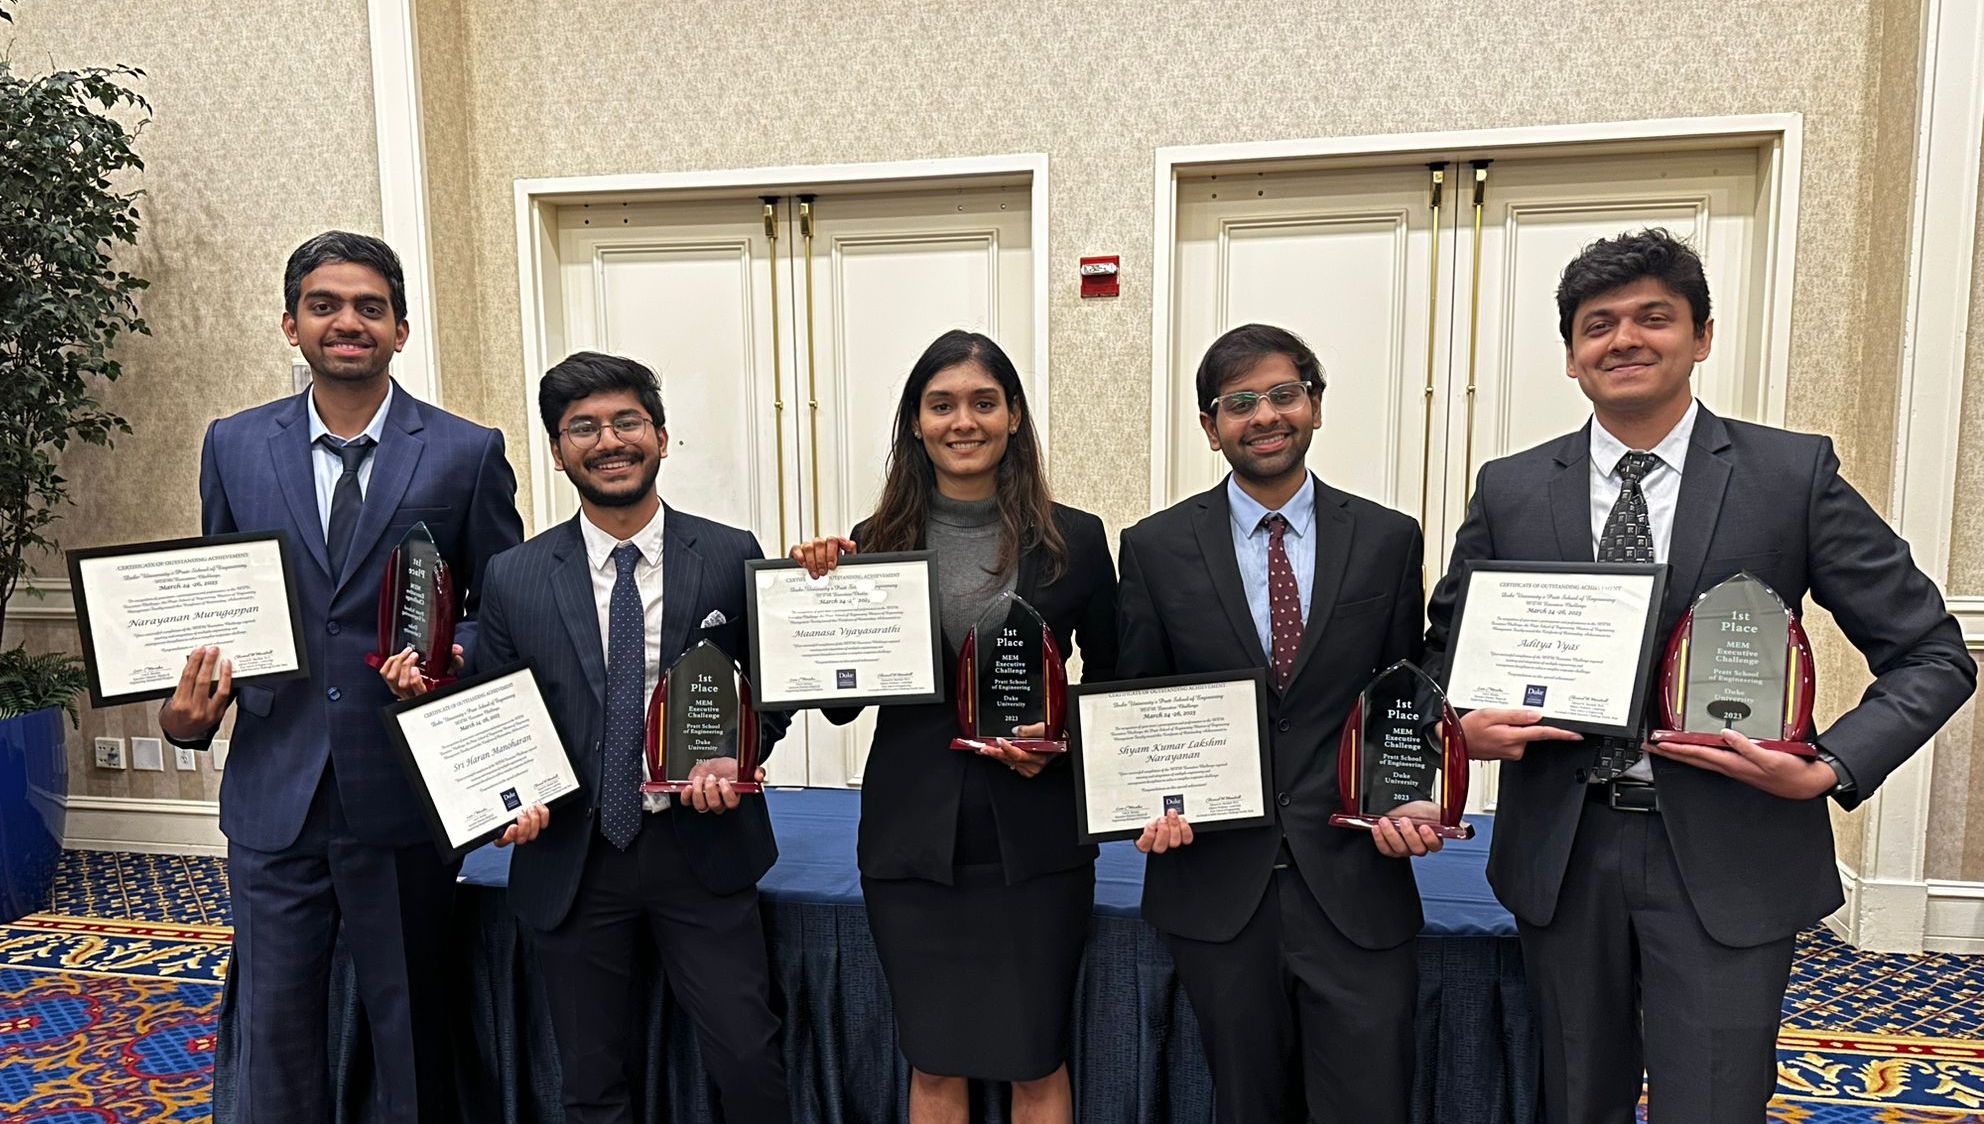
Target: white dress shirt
x=326 y=466
x=1662 y=488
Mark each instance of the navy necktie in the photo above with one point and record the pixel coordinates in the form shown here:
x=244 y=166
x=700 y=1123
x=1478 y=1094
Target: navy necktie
x=1626 y=537
x=346 y=499
x=626 y=709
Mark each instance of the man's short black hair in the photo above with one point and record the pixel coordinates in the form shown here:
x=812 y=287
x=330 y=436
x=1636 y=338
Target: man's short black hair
x=335 y=246
x=1611 y=263
x=583 y=374
x=1236 y=352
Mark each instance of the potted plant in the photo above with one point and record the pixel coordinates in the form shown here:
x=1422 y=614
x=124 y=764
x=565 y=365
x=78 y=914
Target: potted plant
x=66 y=152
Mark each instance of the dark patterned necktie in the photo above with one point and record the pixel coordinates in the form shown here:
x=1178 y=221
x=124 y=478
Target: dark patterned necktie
x=1626 y=537
x=1284 y=603
x=346 y=499
x=626 y=710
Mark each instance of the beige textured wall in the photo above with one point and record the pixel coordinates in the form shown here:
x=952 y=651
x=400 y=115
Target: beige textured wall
x=263 y=135
x=444 y=64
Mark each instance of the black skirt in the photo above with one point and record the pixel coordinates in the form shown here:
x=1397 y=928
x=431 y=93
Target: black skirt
x=982 y=974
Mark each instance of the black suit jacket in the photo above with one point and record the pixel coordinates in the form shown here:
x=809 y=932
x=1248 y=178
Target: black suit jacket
x=1757 y=868
x=537 y=606
x=911 y=787
x=1182 y=610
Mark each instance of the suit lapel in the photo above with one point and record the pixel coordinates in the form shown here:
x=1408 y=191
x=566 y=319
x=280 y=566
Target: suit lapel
x=1703 y=479
x=289 y=457
x=681 y=585
x=571 y=587
x=1214 y=526
x=392 y=471
x=1570 y=497
x=1335 y=528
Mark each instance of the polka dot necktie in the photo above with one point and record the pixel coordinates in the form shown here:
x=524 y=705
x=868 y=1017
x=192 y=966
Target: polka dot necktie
x=1626 y=537
x=626 y=710
x=1284 y=603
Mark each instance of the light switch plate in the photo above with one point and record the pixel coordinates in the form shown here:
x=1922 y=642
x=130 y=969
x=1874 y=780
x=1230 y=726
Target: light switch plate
x=110 y=753
x=148 y=754
x=183 y=759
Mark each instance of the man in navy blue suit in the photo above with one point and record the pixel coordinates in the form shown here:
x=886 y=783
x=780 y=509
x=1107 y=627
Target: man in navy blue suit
x=323 y=829
x=600 y=606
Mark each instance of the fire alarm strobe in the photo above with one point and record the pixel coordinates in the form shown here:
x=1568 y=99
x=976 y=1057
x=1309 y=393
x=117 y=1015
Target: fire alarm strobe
x=1099 y=276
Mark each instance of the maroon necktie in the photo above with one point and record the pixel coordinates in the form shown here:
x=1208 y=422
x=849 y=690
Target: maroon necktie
x=1284 y=603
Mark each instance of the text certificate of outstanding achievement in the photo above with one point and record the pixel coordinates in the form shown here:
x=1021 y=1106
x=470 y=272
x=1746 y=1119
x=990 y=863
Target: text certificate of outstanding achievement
x=867 y=632
x=144 y=608
x=1193 y=744
x=1572 y=640
x=479 y=751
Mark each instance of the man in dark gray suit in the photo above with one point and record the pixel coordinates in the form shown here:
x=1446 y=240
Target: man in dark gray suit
x=600 y=606
x=1659 y=888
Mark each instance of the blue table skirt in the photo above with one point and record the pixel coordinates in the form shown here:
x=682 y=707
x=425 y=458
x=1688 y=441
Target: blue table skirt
x=1136 y=1051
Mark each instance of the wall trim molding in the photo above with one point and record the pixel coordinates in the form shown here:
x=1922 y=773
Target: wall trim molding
x=396 y=114
x=1969 y=612
x=1779 y=136
x=1949 y=144
x=1956 y=917
x=55 y=603
x=128 y=823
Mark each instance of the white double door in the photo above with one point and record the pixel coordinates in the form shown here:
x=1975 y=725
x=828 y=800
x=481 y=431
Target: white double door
x=1438 y=328
x=782 y=329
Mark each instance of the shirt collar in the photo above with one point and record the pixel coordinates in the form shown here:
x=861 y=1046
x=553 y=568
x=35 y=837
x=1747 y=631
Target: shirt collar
x=1300 y=510
x=1672 y=450
x=373 y=429
x=599 y=544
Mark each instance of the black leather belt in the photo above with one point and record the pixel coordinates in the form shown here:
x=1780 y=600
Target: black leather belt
x=1625 y=796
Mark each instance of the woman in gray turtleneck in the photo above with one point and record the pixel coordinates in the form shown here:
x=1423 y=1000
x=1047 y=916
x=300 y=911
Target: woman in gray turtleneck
x=978 y=891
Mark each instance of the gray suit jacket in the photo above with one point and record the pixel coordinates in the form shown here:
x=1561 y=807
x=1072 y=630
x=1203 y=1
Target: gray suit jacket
x=1757 y=868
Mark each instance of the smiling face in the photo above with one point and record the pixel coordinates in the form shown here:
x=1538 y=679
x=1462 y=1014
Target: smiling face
x=1266 y=446
x=1633 y=349
x=964 y=421
x=343 y=323
x=611 y=469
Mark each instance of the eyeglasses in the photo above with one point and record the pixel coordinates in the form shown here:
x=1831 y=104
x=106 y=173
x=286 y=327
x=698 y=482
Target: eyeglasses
x=585 y=431
x=1242 y=403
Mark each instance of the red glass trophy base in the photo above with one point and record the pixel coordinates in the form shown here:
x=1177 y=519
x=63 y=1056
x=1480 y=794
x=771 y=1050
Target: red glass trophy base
x=1461 y=830
x=1031 y=745
x=746 y=788
x=375 y=661
x=1779 y=745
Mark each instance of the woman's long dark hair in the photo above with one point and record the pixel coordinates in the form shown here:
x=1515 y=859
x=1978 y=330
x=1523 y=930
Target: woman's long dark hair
x=1026 y=508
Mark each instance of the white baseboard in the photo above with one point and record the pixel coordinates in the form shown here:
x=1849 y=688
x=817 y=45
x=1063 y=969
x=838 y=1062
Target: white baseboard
x=1956 y=917
x=158 y=827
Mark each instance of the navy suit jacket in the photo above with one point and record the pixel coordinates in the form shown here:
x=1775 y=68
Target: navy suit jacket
x=256 y=475
x=537 y=607
x=1757 y=867
x=1182 y=609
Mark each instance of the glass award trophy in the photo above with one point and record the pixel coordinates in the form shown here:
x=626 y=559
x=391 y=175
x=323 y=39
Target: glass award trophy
x=417 y=606
x=1739 y=661
x=701 y=713
x=1402 y=756
x=1011 y=674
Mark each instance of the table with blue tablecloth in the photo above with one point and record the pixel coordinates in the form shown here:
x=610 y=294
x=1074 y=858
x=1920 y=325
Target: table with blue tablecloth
x=1136 y=1055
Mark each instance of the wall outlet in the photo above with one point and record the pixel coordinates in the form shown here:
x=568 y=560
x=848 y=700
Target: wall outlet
x=217 y=753
x=184 y=760
x=110 y=753
x=148 y=754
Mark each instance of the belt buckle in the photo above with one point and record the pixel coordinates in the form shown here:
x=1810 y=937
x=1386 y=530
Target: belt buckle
x=1644 y=798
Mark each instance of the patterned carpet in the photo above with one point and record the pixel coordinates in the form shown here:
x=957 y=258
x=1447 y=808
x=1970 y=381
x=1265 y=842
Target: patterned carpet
x=108 y=1002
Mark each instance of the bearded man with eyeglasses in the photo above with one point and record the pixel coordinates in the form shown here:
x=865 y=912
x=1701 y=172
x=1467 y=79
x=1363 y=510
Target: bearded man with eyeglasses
x=1295 y=940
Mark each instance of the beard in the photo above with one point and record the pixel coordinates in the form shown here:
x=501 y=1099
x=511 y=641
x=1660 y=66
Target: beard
x=1270 y=467
x=621 y=495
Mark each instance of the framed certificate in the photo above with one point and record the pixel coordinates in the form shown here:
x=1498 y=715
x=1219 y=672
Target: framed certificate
x=479 y=751
x=1194 y=744
x=867 y=632
x=1574 y=640
x=143 y=608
